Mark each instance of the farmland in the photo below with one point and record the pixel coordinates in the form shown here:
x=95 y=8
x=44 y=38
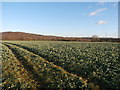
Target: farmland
x=57 y=64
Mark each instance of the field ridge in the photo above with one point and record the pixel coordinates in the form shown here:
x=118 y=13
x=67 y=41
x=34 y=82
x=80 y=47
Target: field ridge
x=85 y=81
x=23 y=74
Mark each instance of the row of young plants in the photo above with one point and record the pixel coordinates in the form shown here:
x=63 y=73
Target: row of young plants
x=14 y=75
x=46 y=74
x=98 y=62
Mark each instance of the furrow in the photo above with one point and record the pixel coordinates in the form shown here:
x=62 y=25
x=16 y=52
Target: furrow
x=85 y=81
x=23 y=72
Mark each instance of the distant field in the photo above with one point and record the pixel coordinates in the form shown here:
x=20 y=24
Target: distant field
x=55 y=64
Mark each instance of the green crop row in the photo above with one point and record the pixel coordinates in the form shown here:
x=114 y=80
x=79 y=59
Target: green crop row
x=98 y=62
x=14 y=74
x=45 y=74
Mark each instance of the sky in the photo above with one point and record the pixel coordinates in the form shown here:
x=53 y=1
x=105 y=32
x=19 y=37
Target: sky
x=68 y=19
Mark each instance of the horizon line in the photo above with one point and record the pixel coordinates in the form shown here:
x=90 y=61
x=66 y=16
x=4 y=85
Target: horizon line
x=61 y=35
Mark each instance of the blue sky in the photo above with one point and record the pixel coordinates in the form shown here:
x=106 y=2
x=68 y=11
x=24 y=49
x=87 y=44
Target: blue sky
x=70 y=19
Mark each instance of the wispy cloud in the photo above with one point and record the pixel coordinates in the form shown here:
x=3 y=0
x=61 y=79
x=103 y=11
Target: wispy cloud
x=114 y=4
x=97 y=11
x=101 y=22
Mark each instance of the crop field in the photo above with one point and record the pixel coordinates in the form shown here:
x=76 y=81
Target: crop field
x=60 y=64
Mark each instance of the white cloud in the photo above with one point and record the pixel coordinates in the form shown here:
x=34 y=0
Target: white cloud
x=101 y=22
x=114 y=4
x=97 y=11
